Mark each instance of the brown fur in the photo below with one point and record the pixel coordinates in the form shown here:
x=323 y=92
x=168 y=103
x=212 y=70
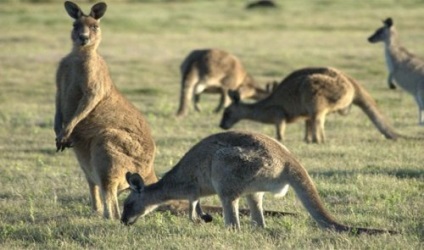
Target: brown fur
x=214 y=71
x=405 y=68
x=231 y=165
x=108 y=134
x=308 y=94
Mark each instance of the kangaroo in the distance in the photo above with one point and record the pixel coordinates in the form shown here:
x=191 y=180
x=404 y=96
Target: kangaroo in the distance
x=108 y=134
x=261 y=4
x=233 y=164
x=214 y=71
x=406 y=69
x=308 y=94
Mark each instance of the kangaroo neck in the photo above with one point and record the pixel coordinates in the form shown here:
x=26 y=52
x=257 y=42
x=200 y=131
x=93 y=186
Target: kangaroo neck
x=392 y=50
x=170 y=187
x=259 y=111
x=156 y=193
x=85 y=53
x=91 y=63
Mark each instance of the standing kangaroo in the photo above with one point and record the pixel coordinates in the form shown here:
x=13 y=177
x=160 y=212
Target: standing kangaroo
x=232 y=164
x=214 y=71
x=405 y=68
x=108 y=134
x=309 y=94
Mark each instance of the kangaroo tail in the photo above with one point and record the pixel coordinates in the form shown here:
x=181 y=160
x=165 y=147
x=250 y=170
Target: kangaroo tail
x=308 y=194
x=364 y=100
x=188 y=73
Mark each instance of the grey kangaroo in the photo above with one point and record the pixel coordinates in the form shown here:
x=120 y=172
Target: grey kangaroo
x=214 y=71
x=108 y=134
x=308 y=94
x=406 y=69
x=232 y=164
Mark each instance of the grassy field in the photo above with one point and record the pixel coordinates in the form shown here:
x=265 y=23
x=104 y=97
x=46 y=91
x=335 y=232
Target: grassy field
x=364 y=179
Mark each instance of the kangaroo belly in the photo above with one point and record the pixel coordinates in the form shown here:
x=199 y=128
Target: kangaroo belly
x=409 y=80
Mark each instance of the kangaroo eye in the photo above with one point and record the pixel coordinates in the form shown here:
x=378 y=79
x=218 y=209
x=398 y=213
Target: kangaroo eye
x=94 y=27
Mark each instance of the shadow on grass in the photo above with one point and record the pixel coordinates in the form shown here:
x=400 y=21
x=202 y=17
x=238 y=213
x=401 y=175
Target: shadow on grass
x=142 y=91
x=398 y=173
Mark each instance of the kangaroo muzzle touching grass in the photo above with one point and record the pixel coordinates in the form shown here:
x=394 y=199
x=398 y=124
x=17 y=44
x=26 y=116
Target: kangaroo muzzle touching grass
x=406 y=69
x=308 y=94
x=107 y=133
x=214 y=71
x=233 y=164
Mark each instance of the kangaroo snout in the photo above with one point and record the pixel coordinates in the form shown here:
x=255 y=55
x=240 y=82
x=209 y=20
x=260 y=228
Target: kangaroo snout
x=84 y=39
x=224 y=126
x=127 y=222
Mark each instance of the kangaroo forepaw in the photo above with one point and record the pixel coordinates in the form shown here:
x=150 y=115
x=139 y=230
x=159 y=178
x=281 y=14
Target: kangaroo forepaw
x=206 y=218
x=62 y=144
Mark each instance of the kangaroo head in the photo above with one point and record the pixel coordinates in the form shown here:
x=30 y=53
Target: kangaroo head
x=383 y=33
x=86 y=30
x=134 y=205
x=231 y=113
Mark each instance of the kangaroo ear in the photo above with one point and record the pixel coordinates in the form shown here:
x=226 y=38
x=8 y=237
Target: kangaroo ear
x=98 y=10
x=388 y=22
x=73 y=10
x=234 y=96
x=135 y=181
x=271 y=86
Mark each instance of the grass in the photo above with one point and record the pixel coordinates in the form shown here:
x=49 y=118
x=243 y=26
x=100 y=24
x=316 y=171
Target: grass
x=363 y=179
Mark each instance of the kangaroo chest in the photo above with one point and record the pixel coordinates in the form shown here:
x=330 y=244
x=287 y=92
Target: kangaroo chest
x=389 y=60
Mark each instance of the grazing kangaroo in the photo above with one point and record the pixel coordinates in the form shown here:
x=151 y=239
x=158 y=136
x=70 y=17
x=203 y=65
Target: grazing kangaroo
x=108 y=134
x=232 y=164
x=309 y=94
x=406 y=69
x=214 y=71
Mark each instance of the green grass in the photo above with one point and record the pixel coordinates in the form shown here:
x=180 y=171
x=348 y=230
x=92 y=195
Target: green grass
x=363 y=179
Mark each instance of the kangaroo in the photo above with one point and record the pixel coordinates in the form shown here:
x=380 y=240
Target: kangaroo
x=406 y=69
x=233 y=164
x=214 y=71
x=308 y=94
x=261 y=4
x=108 y=134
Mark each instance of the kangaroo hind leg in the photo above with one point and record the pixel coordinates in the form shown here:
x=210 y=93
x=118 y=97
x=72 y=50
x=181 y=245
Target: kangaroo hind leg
x=84 y=160
x=108 y=171
x=110 y=201
x=308 y=131
x=256 y=211
x=231 y=213
x=419 y=97
x=317 y=125
x=96 y=202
